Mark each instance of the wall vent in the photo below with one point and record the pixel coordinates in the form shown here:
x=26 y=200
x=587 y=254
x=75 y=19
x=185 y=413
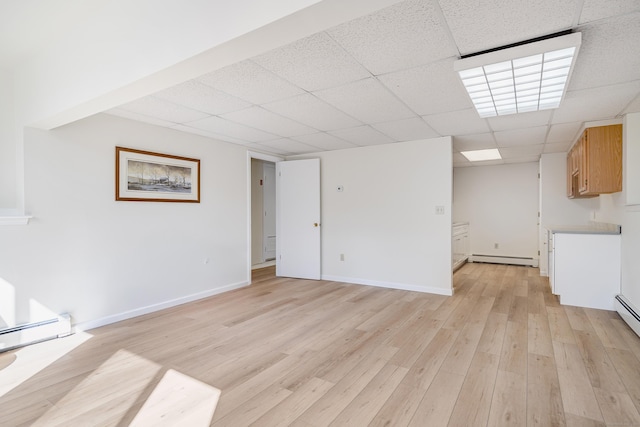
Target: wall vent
x=31 y=333
x=510 y=260
x=628 y=313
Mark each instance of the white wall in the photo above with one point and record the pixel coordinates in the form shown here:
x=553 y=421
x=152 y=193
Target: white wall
x=556 y=209
x=7 y=143
x=611 y=208
x=501 y=205
x=100 y=260
x=384 y=221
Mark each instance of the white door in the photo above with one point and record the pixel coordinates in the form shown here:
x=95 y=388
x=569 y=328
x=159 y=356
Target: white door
x=269 y=214
x=298 y=219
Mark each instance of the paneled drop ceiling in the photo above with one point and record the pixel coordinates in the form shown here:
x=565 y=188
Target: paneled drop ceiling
x=388 y=77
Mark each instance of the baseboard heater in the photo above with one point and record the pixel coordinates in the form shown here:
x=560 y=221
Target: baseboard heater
x=512 y=260
x=31 y=333
x=628 y=313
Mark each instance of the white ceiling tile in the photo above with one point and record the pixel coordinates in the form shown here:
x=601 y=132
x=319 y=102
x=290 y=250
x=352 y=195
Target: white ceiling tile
x=429 y=89
x=267 y=121
x=151 y=106
x=525 y=159
x=311 y=111
x=556 y=147
x=563 y=133
x=198 y=96
x=497 y=23
x=208 y=134
x=605 y=43
x=404 y=35
x=595 y=104
x=459 y=158
x=522 y=120
x=521 y=151
x=479 y=141
x=528 y=136
x=594 y=10
x=634 y=106
x=406 y=129
x=362 y=135
x=366 y=100
x=249 y=81
x=256 y=146
x=235 y=130
x=313 y=63
x=139 y=117
x=462 y=122
x=324 y=141
x=290 y=146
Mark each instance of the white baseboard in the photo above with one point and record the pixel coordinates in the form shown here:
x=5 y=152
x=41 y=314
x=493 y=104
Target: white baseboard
x=390 y=285
x=494 y=259
x=628 y=312
x=85 y=326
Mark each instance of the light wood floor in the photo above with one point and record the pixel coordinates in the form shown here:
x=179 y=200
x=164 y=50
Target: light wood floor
x=502 y=351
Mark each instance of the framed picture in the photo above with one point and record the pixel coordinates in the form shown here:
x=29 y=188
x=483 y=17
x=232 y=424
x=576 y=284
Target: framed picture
x=144 y=176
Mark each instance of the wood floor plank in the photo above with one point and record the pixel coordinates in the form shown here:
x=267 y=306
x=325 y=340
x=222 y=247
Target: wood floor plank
x=295 y=404
x=437 y=405
x=544 y=400
x=474 y=401
x=493 y=334
x=500 y=351
x=400 y=408
x=617 y=408
x=578 y=397
x=514 y=350
x=539 y=335
x=628 y=367
x=363 y=408
x=509 y=403
x=559 y=325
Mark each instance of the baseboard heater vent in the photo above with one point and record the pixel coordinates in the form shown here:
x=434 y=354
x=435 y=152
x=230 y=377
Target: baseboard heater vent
x=31 y=333
x=628 y=313
x=511 y=260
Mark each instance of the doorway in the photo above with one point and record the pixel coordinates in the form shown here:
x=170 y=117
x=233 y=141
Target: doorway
x=263 y=212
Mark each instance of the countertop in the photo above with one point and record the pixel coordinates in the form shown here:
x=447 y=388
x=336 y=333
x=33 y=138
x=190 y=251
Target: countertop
x=591 y=228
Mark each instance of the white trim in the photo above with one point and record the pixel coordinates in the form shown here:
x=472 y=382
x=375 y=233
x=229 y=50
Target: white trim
x=259 y=156
x=14 y=220
x=496 y=259
x=389 y=285
x=90 y=324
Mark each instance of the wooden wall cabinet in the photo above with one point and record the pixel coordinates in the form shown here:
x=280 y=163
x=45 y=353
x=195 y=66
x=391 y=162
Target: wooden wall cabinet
x=594 y=163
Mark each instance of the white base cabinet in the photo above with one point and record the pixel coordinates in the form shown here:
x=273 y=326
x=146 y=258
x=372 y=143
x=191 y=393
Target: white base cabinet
x=460 y=244
x=584 y=269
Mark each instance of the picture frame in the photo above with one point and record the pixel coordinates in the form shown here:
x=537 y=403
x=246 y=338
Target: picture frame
x=145 y=176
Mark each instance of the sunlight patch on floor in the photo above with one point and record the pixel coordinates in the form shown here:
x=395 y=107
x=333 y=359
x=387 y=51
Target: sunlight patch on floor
x=30 y=360
x=178 y=400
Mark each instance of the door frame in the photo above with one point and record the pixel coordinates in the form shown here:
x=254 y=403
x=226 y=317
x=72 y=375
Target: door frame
x=259 y=156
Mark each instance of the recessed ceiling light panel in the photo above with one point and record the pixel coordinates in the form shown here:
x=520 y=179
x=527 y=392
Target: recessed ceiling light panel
x=519 y=79
x=482 y=155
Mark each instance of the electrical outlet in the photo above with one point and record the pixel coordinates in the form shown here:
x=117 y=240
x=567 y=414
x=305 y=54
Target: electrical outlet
x=439 y=210
x=341 y=257
x=496 y=246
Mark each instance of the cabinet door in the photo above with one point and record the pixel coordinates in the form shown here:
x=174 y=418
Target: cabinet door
x=569 y=174
x=584 y=167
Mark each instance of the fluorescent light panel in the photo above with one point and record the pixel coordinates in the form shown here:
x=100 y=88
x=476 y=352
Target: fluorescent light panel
x=525 y=78
x=482 y=155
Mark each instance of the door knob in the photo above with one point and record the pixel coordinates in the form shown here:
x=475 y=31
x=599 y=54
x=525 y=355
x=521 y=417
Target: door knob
x=315 y=224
